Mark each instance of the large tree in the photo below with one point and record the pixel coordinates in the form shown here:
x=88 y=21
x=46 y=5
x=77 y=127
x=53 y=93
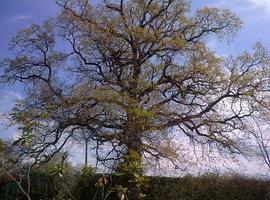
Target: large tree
x=136 y=74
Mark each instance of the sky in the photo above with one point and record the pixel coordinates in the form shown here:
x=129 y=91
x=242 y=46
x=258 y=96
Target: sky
x=18 y=14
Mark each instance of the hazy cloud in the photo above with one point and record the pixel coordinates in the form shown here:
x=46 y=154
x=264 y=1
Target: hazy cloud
x=262 y=4
x=18 y=18
x=8 y=98
x=22 y=17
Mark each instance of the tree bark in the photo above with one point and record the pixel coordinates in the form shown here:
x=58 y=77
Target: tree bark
x=134 y=147
x=86 y=153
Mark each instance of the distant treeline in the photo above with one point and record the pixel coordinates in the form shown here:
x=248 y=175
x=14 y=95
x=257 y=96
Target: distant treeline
x=98 y=187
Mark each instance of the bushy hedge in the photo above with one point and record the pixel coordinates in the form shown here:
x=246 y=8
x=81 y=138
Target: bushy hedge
x=206 y=187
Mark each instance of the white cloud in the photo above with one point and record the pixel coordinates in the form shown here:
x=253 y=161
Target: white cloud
x=8 y=98
x=265 y=4
x=18 y=18
x=21 y=17
x=249 y=6
x=212 y=44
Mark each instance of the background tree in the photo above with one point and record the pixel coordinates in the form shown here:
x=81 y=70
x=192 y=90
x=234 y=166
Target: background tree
x=16 y=168
x=136 y=74
x=258 y=129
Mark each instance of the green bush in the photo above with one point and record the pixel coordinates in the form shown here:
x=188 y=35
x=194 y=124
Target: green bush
x=9 y=191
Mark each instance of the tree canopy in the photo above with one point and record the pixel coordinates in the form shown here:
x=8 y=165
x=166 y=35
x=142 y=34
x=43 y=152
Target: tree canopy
x=136 y=74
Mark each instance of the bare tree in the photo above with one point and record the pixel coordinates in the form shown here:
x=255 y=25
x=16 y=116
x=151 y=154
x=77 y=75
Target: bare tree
x=260 y=137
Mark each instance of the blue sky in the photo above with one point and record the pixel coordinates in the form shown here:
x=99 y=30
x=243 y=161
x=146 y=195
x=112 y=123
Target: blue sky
x=17 y=14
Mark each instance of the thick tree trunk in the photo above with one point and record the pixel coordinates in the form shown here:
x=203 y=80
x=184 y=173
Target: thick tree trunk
x=134 y=152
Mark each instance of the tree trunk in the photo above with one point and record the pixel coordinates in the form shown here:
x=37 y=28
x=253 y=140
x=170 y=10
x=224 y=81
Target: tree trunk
x=86 y=153
x=134 y=152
